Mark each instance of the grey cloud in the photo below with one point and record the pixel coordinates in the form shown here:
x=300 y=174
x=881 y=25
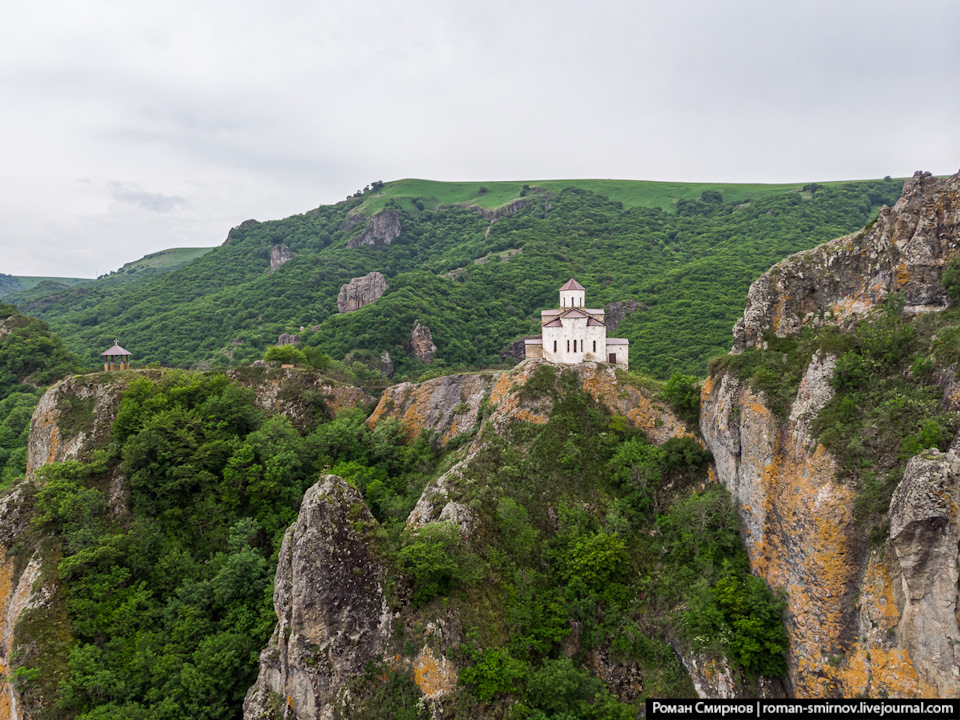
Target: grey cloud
x=133 y=194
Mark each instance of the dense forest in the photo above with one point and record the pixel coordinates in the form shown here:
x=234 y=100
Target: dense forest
x=478 y=286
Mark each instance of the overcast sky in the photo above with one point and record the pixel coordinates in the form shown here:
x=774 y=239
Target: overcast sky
x=128 y=127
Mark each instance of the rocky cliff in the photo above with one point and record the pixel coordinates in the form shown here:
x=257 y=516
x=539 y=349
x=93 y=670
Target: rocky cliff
x=295 y=682
x=74 y=418
x=904 y=251
x=361 y=291
x=382 y=229
x=331 y=605
x=863 y=618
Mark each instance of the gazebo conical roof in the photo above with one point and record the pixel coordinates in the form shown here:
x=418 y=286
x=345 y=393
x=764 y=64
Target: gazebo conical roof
x=114 y=351
x=572 y=285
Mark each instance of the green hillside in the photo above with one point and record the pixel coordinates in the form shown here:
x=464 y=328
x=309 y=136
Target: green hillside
x=632 y=193
x=687 y=253
x=164 y=260
x=10 y=284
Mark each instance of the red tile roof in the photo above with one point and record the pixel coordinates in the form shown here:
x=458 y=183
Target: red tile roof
x=572 y=285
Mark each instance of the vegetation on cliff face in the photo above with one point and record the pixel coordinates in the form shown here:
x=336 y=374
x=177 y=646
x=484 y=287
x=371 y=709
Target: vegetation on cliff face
x=889 y=403
x=592 y=539
x=687 y=263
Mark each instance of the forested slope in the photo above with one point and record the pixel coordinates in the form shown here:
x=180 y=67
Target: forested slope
x=688 y=264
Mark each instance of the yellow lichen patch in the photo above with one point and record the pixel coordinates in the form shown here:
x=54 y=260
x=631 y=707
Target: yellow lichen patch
x=876 y=596
x=434 y=676
x=530 y=417
x=892 y=672
x=903 y=275
x=506 y=383
x=7 y=701
x=602 y=386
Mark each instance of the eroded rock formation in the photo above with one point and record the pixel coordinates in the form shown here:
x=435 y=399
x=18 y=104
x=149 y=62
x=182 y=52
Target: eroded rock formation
x=448 y=405
x=361 y=291
x=279 y=256
x=382 y=229
x=331 y=605
x=904 y=251
x=420 y=345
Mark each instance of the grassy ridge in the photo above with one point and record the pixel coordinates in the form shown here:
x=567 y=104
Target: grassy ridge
x=632 y=193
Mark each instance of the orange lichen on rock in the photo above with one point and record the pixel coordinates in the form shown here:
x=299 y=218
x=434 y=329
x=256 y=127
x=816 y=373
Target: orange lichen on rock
x=435 y=676
x=903 y=275
x=8 y=700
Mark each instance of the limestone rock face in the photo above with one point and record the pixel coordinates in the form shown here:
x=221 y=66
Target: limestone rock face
x=905 y=250
x=800 y=534
x=382 y=229
x=924 y=537
x=288 y=339
x=495 y=214
x=879 y=622
x=361 y=291
x=448 y=404
x=420 y=345
x=73 y=417
x=279 y=256
x=332 y=612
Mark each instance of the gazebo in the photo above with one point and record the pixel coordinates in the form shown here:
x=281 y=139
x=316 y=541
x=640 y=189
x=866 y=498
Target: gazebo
x=116 y=358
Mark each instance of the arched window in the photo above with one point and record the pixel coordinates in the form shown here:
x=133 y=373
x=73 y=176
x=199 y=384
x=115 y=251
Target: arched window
x=554 y=345
x=594 y=345
x=574 y=345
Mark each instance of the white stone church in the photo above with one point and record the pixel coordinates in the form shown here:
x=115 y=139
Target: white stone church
x=574 y=333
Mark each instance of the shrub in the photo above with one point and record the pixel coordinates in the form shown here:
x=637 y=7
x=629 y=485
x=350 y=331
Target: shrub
x=285 y=354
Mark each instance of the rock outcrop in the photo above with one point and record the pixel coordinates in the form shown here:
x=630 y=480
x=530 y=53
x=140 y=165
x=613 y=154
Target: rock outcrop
x=880 y=622
x=332 y=611
x=244 y=224
x=74 y=416
x=800 y=534
x=361 y=291
x=448 y=405
x=279 y=256
x=288 y=339
x=616 y=312
x=494 y=214
x=299 y=393
x=862 y=621
x=904 y=251
x=382 y=229
x=420 y=345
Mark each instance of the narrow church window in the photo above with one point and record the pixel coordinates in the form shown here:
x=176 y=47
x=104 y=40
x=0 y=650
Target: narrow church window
x=574 y=345
x=594 y=345
x=554 y=345
x=568 y=346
